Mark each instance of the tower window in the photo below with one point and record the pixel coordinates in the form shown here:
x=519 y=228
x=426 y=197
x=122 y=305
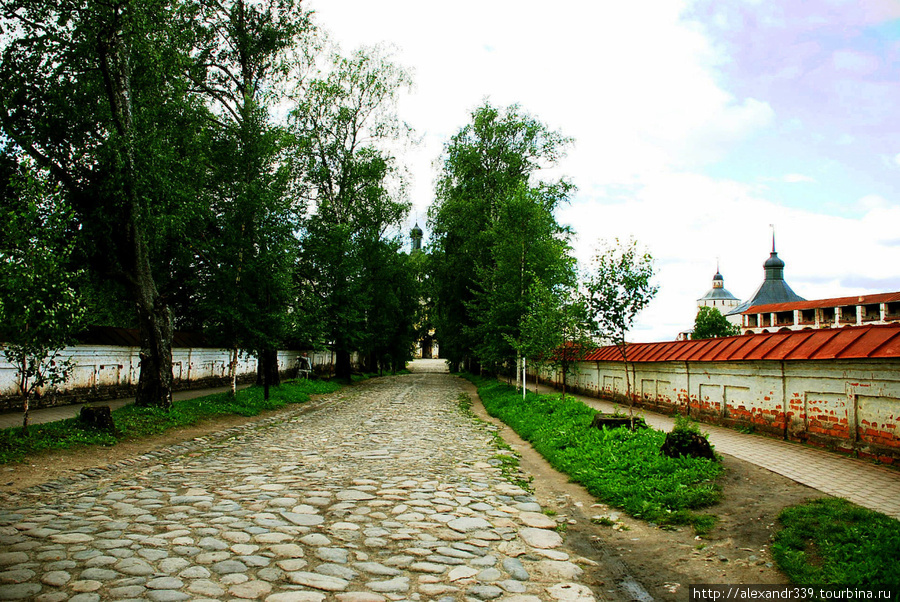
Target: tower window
x=871 y=312
x=848 y=314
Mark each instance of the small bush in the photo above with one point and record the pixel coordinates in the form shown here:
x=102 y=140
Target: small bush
x=686 y=440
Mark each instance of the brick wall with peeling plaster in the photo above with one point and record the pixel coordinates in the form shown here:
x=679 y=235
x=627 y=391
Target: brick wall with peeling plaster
x=851 y=406
x=104 y=372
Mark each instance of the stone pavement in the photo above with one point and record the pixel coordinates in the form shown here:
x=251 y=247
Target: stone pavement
x=859 y=481
x=382 y=491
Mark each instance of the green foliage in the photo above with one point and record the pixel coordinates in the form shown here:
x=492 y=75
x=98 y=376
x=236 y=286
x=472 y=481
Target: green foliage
x=494 y=233
x=40 y=311
x=710 y=323
x=684 y=438
x=342 y=127
x=619 y=288
x=94 y=93
x=558 y=323
x=529 y=266
x=621 y=467
x=134 y=422
x=830 y=541
x=244 y=273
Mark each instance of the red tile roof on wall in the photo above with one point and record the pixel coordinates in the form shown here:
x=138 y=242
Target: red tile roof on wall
x=859 y=342
x=817 y=303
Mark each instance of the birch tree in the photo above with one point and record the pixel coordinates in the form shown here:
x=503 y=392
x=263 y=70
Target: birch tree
x=491 y=160
x=619 y=287
x=40 y=311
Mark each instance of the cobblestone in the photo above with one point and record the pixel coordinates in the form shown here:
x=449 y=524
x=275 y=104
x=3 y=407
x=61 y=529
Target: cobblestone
x=384 y=491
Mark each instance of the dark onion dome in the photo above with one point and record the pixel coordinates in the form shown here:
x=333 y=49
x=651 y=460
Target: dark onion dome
x=774 y=261
x=416 y=231
x=773 y=289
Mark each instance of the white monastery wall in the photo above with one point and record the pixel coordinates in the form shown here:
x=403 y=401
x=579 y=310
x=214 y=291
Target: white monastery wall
x=109 y=372
x=849 y=405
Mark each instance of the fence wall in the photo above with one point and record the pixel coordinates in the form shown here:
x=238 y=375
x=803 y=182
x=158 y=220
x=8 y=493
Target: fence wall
x=846 y=405
x=111 y=372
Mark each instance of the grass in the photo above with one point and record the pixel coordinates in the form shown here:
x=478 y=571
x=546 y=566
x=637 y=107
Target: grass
x=620 y=467
x=135 y=422
x=831 y=541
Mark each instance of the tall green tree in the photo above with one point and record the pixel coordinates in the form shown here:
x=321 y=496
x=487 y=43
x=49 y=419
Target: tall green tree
x=40 y=310
x=619 y=287
x=392 y=298
x=487 y=163
x=93 y=92
x=710 y=323
x=530 y=252
x=247 y=54
x=343 y=125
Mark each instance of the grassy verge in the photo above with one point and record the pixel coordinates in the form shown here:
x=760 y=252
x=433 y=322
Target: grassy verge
x=620 y=467
x=134 y=422
x=505 y=458
x=831 y=541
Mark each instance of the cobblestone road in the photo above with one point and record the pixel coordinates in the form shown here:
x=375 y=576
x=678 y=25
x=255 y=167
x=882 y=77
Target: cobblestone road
x=383 y=491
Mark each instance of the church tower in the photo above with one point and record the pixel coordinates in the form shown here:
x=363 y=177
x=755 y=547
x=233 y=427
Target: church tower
x=774 y=288
x=416 y=236
x=718 y=297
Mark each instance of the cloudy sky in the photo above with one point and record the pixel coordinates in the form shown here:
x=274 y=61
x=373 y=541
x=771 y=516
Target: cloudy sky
x=697 y=124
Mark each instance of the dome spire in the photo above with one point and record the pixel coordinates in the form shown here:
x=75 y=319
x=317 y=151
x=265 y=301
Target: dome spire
x=416 y=236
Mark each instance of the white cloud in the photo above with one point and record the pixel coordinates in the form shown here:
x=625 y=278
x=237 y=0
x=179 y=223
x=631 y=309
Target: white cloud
x=688 y=221
x=852 y=61
x=797 y=178
x=872 y=202
x=638 y=88
x=634 y=84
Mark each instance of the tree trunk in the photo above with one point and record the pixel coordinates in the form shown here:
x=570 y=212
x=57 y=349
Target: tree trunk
x=342 y=367
x=25 y=404
x=272 y=366
x=267 y=373
x=628 y=382
x=156 y=330
x=520 y=370
x=154 y=317
x=267 y=368
x=232 y=371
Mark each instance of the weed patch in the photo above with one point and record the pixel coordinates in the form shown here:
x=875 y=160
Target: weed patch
x=134 y=422
x=621 y=467
x=831 y=541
